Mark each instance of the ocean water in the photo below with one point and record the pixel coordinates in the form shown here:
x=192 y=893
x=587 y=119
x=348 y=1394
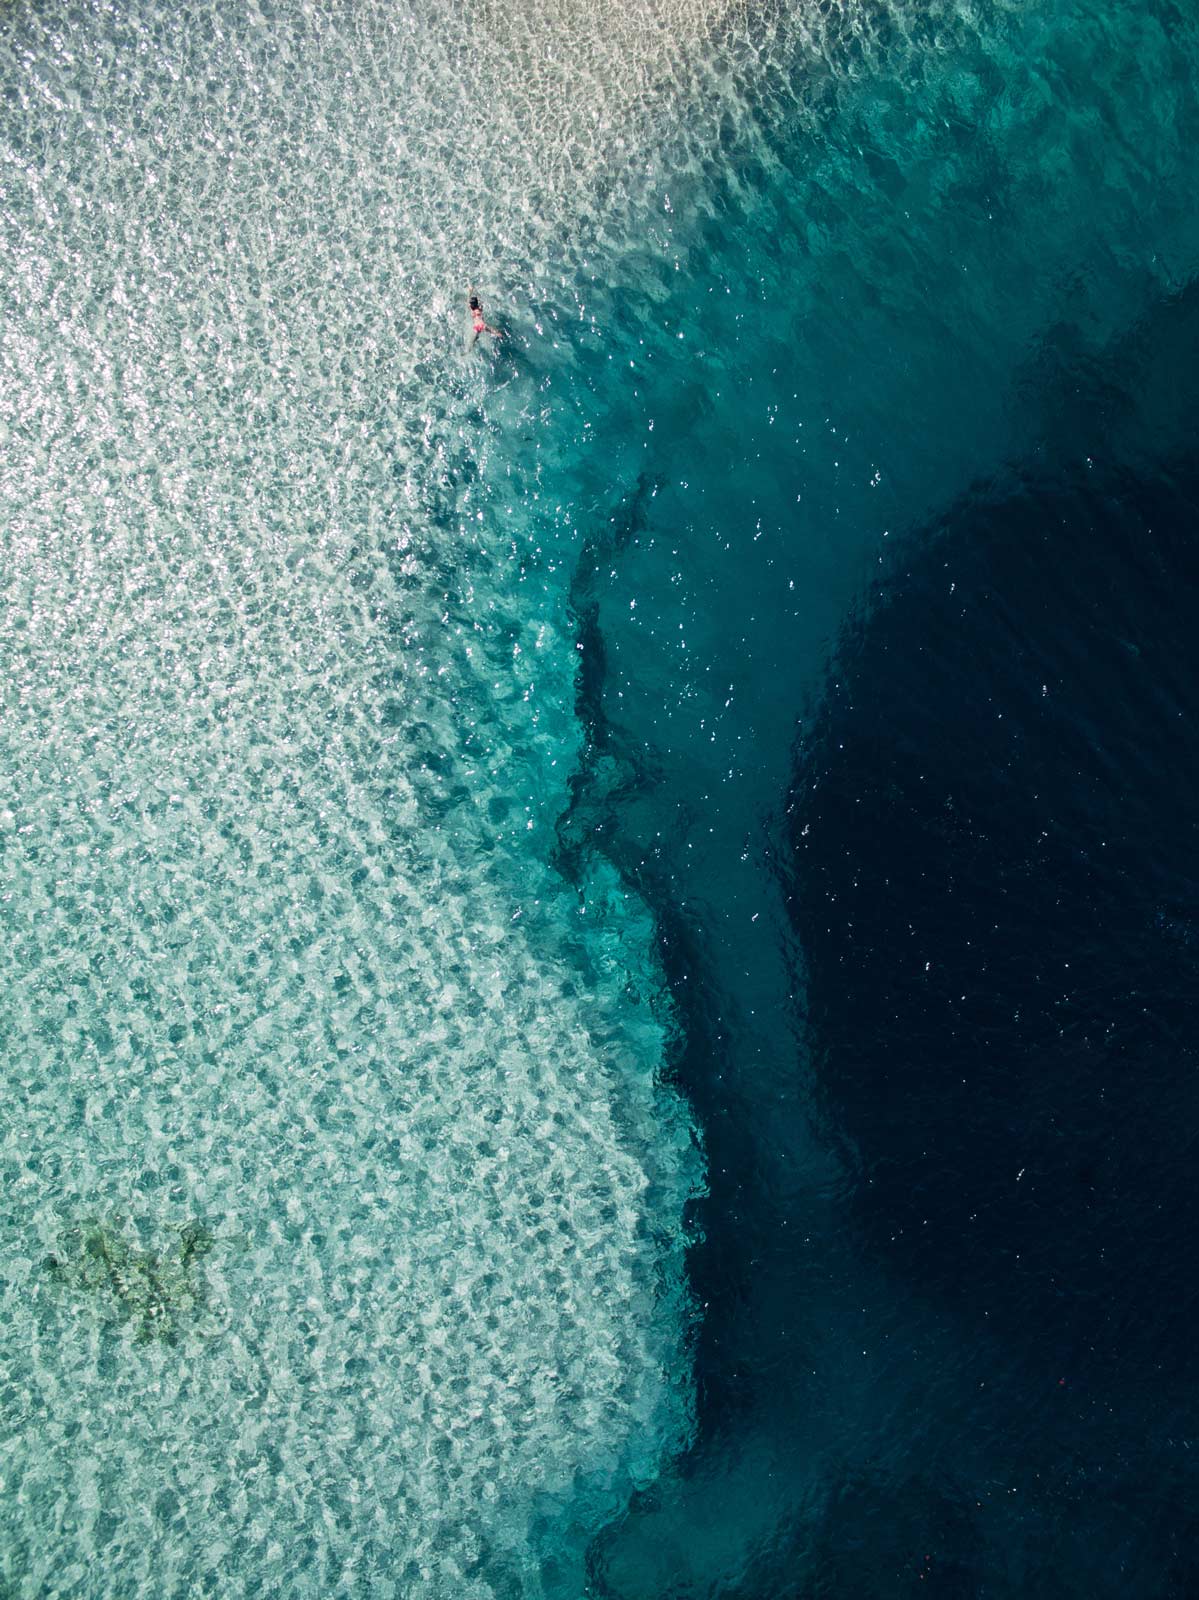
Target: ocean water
x=597 y=993
x=345 y=1195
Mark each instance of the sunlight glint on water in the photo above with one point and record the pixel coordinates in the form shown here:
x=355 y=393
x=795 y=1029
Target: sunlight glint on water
x=342 y=1245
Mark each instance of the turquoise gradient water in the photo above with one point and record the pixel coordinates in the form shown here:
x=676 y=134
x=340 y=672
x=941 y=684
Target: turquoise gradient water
x=372 y=704
x=288 y=718
x=947 y=278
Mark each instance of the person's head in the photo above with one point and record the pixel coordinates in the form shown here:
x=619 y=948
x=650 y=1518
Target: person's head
x=474 y=302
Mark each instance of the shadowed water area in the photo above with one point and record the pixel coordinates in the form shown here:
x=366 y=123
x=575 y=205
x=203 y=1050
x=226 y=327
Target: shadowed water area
x=597 y=985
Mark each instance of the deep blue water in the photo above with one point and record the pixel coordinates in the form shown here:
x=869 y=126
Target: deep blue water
x=886 y=599
x=808 y=583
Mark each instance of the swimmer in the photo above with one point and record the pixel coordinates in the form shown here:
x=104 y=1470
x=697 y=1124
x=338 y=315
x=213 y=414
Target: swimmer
x=476 y=318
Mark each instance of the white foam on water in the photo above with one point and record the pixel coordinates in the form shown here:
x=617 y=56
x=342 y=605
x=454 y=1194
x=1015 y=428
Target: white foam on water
x=282 y=736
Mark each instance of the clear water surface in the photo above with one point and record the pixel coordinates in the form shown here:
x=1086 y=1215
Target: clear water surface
x=596 y=993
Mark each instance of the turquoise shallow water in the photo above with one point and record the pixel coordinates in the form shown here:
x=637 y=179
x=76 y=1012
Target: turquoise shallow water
x=343 y=1245
x=397 y=740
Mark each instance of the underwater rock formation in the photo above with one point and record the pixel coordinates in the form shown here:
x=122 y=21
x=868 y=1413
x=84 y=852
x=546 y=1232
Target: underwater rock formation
x=159 y=1293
